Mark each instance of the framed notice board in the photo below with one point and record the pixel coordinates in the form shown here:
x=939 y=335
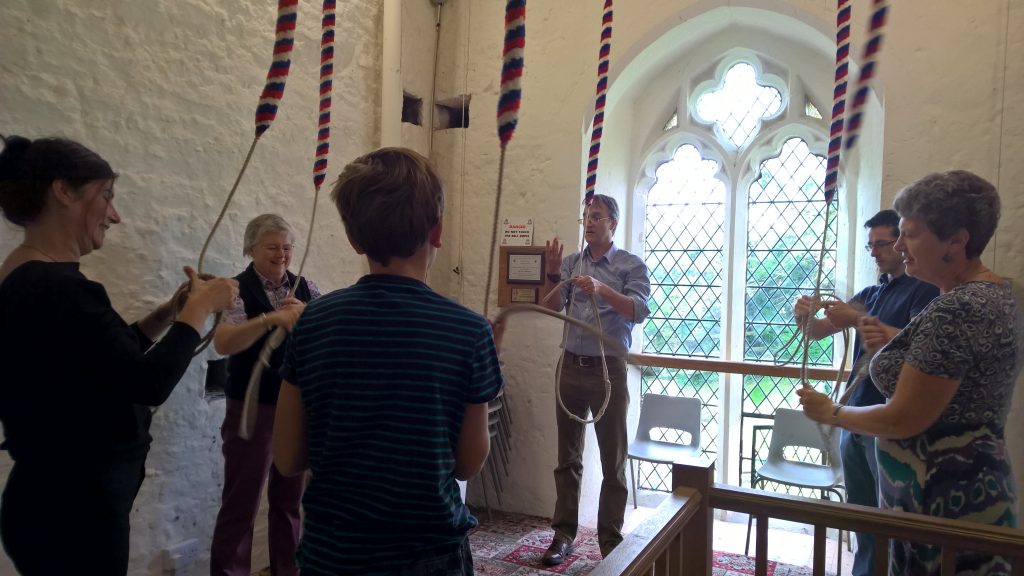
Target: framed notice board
x=521 y=272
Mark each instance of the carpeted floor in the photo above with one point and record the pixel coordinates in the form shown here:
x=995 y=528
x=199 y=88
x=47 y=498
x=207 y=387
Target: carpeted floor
x=512 y=545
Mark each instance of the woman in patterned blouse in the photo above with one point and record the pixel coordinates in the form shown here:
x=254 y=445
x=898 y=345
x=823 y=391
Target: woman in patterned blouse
x=948 y=376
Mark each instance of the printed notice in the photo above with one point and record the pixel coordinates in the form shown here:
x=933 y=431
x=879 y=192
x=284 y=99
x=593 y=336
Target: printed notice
x=524 y=268
x=524 y=295
x=517 y=232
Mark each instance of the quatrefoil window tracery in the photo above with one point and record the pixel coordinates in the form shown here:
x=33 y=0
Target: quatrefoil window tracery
x=738 y=107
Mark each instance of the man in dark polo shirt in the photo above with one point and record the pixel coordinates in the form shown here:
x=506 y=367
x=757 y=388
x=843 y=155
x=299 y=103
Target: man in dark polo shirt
x=894 y=301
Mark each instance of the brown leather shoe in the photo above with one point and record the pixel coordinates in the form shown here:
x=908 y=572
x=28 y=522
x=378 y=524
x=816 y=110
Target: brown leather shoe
x=557 y=552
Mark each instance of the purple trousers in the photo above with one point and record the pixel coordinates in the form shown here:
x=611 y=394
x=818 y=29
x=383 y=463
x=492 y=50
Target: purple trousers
x=247 y=463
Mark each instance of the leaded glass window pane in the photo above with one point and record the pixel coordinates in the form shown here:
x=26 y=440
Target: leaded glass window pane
x=761 y=396
x=685 y=251
x=738 y=107
x=786 y=217
x=677 y=382
x=684 y=246
x=811 y=111
x=672 y=122
x=684 y=242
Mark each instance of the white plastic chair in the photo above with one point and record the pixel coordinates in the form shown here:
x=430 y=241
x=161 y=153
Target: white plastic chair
x=658 y=411
x=793 y=429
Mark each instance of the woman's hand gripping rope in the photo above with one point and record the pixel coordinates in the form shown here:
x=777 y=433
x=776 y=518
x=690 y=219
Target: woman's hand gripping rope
x=181 y=297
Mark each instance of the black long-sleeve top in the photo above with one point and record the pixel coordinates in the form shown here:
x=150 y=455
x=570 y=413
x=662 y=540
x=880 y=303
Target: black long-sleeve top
x=77 y=380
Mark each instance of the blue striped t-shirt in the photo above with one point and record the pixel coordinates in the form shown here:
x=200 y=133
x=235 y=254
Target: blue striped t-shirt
x=385 y=369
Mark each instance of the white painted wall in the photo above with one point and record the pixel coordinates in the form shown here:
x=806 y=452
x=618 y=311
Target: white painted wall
x=166 y=91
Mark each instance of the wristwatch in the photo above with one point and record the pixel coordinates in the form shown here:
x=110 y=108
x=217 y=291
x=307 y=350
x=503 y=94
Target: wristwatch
x=554 y=278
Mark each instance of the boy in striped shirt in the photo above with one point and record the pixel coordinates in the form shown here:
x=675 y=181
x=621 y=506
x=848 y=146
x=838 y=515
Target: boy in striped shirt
x=385 y=390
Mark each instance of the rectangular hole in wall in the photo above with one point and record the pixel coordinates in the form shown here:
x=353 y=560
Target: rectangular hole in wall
x=452 y=113
x=412 y=109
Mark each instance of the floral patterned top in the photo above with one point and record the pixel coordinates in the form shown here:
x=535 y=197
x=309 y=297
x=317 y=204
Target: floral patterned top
x=959 y=467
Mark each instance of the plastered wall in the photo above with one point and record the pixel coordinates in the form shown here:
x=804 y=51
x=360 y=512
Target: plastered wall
x=166 y=91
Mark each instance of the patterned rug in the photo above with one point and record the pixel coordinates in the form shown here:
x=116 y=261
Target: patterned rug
x=726 y=564
x=512 y=545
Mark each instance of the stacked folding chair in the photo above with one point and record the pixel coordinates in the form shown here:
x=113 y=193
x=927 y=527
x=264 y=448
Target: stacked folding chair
x=499 y=423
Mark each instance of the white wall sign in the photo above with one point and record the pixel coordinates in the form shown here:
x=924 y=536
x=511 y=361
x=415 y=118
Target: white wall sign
x=517 y=232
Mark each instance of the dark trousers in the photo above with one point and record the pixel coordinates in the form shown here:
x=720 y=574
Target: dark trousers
x=860 y=473
x=457 y=561
x=583 y=391
x=449 y=560
x=69 y=520
x=247 y=464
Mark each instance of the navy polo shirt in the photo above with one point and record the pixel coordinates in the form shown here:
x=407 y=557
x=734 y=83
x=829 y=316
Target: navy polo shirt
x=895 y=302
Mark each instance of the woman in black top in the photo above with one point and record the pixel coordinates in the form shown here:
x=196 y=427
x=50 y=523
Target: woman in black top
x=78 y=380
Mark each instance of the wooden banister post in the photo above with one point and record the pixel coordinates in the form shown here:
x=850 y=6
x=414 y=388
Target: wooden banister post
x=948 y=561
x=697 y=535
x=881 y=567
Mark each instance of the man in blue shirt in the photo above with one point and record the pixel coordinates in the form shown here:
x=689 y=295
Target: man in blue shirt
x=619 y=282
x=894 y=301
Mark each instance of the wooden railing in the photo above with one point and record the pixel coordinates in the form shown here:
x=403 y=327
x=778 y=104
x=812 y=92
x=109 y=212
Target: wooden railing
x=726 y=367
x=676 y=541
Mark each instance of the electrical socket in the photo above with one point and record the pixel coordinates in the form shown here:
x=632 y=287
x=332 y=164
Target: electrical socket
x=181 y=558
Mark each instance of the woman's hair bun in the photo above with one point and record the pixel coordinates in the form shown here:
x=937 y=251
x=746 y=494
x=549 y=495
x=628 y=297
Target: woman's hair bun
x=29 y=167
x=12 y=156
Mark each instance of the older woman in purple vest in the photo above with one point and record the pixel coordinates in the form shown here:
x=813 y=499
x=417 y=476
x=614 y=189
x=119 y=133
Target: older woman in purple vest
x=263 y=304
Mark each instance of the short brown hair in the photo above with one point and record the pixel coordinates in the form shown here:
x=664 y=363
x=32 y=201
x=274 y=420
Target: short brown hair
x=950 y=201
x=389 y=201
x=610 y=204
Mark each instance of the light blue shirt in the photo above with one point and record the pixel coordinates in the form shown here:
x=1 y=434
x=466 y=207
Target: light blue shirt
x=625 y=273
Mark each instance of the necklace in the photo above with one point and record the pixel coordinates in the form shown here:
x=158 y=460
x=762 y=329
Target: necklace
x=977 y=275
x=52 y=259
